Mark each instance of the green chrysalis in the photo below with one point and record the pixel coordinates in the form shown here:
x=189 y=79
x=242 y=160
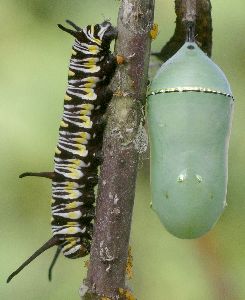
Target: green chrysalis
x=189 y=118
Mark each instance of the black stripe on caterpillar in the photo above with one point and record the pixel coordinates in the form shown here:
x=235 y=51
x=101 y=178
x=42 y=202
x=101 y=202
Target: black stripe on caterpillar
x=77 y=158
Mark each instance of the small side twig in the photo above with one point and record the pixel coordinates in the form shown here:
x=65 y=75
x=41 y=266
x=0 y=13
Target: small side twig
x=197 y=11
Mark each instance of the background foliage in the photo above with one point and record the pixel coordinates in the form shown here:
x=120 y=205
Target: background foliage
x=34 y=57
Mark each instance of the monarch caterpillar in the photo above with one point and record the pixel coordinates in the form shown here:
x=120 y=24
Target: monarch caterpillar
x=80 y=141
x=189 y=114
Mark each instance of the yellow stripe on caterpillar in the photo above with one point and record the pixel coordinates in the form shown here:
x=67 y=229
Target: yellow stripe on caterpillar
x=74 y=204
x=76 y=162
x=63 y=124
x=71 y=230
x=74 y=173
x=57 y=151
x=74 y=215
x=93 y=49
x=91 y=61
x=67 y=98
x=87 y=122
x=70 y=245
x=87 y=106
x=86 y=109
x=89 y=85
x=81 y=140
x=70 y=73
x=70 y=185
x=71 y=223
x=90 y=93
x=82 y=147
x=90 y=82
x=84 y=135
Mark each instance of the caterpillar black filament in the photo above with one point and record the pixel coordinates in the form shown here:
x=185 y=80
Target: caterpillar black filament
x=77 y=155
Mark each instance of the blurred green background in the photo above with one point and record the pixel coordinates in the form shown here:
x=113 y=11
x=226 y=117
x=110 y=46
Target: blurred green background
x=34 y=57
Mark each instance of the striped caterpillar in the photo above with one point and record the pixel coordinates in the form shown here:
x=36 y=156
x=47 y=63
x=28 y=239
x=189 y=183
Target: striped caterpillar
x=77 y=155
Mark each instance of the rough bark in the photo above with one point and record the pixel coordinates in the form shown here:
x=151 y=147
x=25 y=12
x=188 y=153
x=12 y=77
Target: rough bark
x=198 y=11
x=114 y=206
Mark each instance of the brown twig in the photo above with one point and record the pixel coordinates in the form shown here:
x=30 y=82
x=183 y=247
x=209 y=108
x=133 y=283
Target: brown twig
x=106 y=273
x=197 y=11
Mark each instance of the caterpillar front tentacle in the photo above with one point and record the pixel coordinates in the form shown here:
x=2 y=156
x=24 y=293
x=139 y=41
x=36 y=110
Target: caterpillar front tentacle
x=73 y=25
x=49 y=175
x=72 y=32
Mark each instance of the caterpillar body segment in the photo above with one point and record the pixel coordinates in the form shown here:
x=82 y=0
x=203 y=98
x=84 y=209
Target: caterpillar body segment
x=77 y=155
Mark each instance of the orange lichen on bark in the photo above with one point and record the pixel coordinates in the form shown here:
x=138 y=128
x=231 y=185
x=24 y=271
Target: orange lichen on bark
x=154 y=31
x=120 y=59
x=86 y=263
x=126 y=294
x=129 y=265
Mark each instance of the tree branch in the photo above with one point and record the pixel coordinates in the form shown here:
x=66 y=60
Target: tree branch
x=114 y=206
x=197 y=11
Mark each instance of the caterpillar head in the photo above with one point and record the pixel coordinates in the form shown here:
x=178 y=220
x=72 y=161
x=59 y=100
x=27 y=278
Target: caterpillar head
x=99 y=35
x=106 y=33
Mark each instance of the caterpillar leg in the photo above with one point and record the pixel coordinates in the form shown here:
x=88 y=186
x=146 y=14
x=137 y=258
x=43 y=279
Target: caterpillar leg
x=99 y=157
x=57 y=253
x=49 y=175
x=50 y=243
x=105 y=95
x=109 y=66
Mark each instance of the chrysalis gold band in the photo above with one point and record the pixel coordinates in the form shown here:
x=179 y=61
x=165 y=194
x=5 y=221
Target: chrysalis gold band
x=189 y=89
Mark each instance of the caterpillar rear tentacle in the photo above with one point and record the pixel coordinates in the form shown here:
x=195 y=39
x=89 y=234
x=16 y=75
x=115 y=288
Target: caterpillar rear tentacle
x=50 y=243
x=56 y=255
x=78 y=152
